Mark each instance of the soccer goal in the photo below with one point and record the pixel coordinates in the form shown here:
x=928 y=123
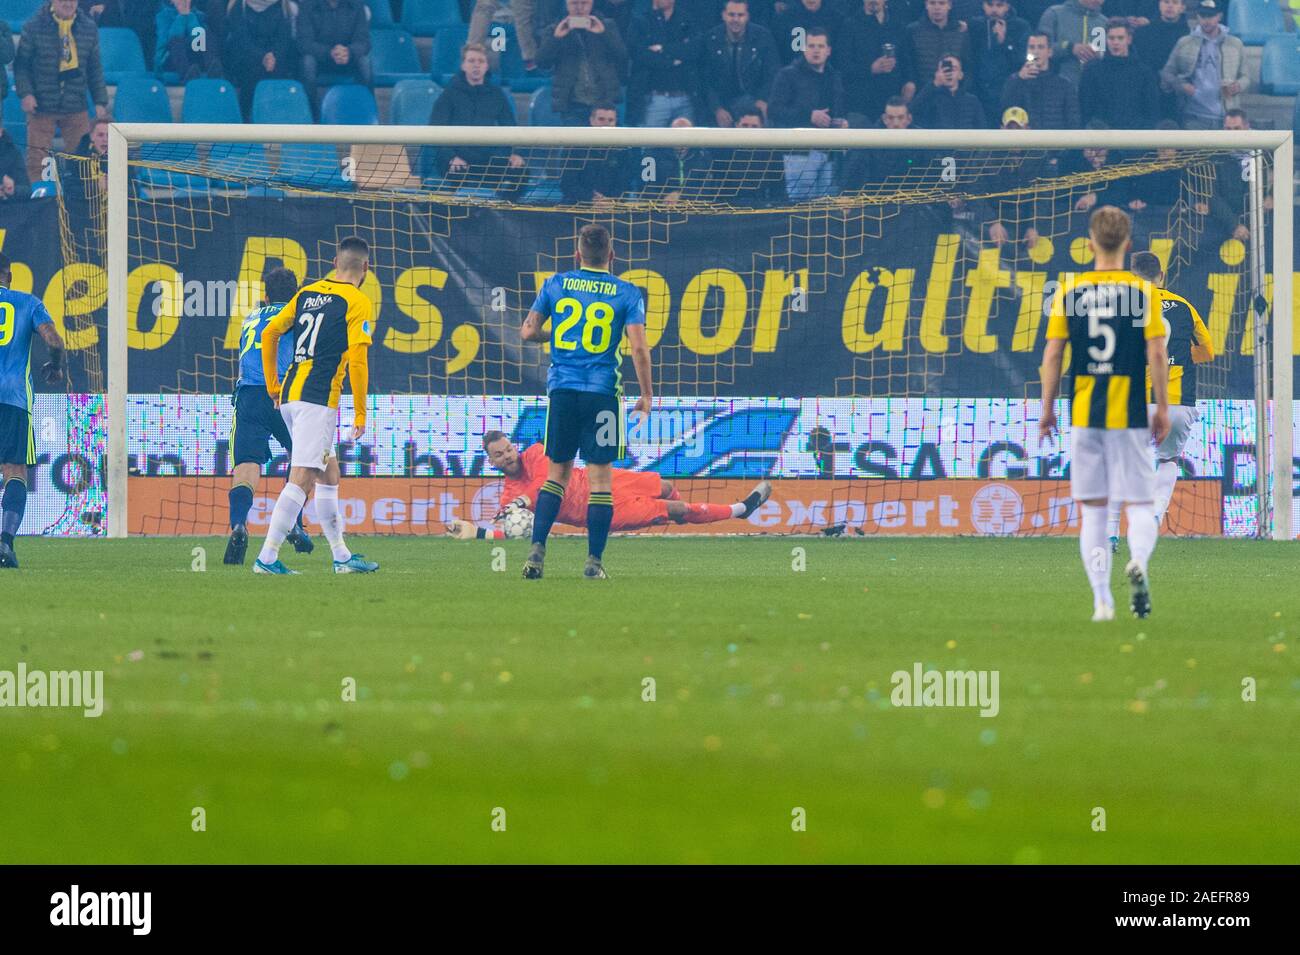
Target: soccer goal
x=857 y=315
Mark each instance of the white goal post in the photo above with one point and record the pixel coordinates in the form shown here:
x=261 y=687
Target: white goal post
x=1277 y=144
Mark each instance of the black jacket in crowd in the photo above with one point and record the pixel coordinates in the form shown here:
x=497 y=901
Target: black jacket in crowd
x=13 y=165
x=860 y=43
x=605 y=52
x=796 y=15
x=36 y=67
x=251 y=35
x=669 y=70
x=321 y=27
x=1121 y=91
x=758 y=63
x=993 y=61
x=674 y=168
x=1049 y=99
x=610 y=172
x=799 y=89
x=936 y=107
x=461 y=104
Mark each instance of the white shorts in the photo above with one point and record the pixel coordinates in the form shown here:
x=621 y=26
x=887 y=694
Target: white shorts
x=1181 y=420
x=1114 y=464
x=312 y=428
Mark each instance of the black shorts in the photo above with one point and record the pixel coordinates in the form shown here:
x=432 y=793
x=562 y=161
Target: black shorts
x=257 y=420
x=585 y=421
x=17 y=439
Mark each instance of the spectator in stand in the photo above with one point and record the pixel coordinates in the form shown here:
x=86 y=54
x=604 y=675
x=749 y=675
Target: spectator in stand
x=6 y=56
x=471 y=99
x=587 y=56
x=751 y=177
x=663 y=76
x=139 y=16
x=1152 y=44
x=998 y=40
x=934 y=36
x=943 y=104
x=869 y=169
x=618 y=11
x=871 y=58
x=522 y=10
x=1012 y=210
x=1207 y=68
x=673 y=170
x=1225 y=207
x=259 y=46
x=85 y=179
x=334 y=39
x=1050 y=101
x=791 y=27
x=1091 y=160
x=738 y=61
x=598 y=175
x=14 y=182
x=809 y=93
x=182 y=48
x=56 y=70
x=1077 y=29
x=1119 y=89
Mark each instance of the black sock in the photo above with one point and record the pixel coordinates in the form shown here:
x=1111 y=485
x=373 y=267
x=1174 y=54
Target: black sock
x=549 y=499
x=241 y=501
x=600 y=514
x=13 y=504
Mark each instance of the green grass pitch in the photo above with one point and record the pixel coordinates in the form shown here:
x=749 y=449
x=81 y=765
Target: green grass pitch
x=477 y=690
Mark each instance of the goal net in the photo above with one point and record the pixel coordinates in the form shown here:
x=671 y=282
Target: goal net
x=856 y=315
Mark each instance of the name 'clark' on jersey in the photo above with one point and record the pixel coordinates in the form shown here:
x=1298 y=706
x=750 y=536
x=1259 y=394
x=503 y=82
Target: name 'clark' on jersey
x=1107 y=317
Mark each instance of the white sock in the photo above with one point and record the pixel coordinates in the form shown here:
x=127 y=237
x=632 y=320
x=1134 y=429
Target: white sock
x=1167 y=473
x=738 y=508
x=1113 y=510
x=1142 y=533
x=327 y=513
x=1094 y=548
x=287 y=506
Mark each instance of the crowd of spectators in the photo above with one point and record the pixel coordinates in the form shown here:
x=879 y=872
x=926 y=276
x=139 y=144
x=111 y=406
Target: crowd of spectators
x=891 y=64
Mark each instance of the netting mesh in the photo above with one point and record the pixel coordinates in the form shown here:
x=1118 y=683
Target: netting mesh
x=862 y=326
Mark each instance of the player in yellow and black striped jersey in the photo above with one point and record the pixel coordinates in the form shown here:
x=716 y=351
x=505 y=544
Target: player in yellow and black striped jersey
x=332 y=322
x=1111 y=320
x=1188 y=343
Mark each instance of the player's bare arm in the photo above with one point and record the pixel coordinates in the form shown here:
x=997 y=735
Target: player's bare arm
x=641 y=361
x=52 y=370
x=532 y=330
x=1051 y=373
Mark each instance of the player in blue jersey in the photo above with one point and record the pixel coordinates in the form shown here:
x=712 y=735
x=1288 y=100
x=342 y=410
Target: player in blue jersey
x=21 y=315
x=256 y=417
x=590 y=311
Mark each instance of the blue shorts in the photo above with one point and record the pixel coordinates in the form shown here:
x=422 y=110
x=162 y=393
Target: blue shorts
x=17 y=440
x=585 y=421
x=257 y=421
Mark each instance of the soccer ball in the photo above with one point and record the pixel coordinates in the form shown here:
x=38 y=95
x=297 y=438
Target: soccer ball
x=517 y=522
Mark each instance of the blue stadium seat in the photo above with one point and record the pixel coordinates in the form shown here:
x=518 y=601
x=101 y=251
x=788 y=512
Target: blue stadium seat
x=283 y=102
x=393 y=57
x=381 y=15
x=119 y=51
x=210 y=101
x=349 y=105
x=446 y=52
x=1254 y=21
x=312 y=166
x=510 y=65
x=217 y=101
x=1279 y=71
x=143 y=99
x=413 y=102
x=540 y=111
x=15 y=120
x=17 y=12
x=428 y=17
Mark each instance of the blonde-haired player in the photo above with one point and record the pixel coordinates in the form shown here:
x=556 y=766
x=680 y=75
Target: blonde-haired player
x=1111 y=319
x=332 y=323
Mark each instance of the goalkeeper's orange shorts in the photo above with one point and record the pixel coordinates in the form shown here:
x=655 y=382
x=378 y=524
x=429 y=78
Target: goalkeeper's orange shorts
x=636 y=500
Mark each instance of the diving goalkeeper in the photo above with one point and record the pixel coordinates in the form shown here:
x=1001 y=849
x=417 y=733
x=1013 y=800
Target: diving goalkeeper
x=641 y=498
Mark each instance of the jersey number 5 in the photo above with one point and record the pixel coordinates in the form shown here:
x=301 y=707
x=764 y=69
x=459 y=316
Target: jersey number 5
x=598 y=319
x=306 y=345
x=1097 y=328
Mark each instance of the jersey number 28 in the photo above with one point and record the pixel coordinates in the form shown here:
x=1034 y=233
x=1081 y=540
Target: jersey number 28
x=599 y=323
